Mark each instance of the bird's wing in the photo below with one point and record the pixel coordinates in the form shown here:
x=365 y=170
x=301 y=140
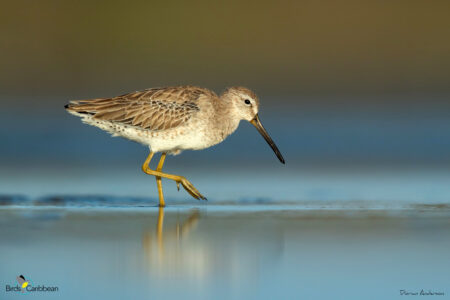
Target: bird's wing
x=153 y=109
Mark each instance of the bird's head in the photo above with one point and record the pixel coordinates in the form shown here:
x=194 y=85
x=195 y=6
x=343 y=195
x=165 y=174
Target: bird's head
x=246 y=107
x=245 y=102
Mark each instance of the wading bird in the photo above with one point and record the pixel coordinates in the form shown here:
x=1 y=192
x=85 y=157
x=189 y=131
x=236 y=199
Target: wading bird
x=172 y=119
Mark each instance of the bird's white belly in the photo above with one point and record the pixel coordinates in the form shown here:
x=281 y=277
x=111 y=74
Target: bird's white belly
x=173 y=140
x=176 y=140
x=192 y=136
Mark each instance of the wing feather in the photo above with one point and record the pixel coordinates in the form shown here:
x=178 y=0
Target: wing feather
x=152 y=109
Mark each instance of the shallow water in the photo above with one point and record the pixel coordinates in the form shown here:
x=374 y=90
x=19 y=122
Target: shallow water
x=92 y=249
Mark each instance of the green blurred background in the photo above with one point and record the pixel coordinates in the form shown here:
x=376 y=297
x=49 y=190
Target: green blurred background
x=91 y=48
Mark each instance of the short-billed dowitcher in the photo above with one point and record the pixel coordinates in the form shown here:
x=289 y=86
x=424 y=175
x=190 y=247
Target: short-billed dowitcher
x=173 y=119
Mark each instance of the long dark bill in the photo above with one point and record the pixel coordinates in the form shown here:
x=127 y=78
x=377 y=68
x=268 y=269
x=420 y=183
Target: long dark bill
x=257 y=123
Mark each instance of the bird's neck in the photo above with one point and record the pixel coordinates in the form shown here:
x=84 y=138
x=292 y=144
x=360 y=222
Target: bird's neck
x=226 y=116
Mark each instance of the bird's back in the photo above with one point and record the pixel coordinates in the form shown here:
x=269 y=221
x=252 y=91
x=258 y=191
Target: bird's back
x=169 y=119
x=153 y=109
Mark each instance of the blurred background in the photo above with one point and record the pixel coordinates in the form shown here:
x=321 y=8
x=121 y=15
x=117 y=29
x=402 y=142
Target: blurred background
x=355 y=94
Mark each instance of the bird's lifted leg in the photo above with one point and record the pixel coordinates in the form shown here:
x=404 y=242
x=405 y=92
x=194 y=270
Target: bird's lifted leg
x=178 y=179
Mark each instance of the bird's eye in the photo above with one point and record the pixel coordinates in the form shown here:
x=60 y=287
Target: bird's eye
x=247 y=101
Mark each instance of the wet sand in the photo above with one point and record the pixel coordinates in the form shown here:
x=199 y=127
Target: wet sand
x=223 y=251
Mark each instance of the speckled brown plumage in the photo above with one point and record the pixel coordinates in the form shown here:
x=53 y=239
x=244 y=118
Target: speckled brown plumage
x=153 y=109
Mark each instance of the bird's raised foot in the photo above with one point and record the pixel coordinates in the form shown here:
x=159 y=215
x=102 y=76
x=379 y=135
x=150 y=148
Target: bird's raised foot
x=189 y=187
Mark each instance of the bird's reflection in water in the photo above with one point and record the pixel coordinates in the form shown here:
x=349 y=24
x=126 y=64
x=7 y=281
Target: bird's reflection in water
x=182 y=245
x=168 y=250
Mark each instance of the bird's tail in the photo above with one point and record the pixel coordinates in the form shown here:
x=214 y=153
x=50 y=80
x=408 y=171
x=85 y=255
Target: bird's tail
x=89 y=107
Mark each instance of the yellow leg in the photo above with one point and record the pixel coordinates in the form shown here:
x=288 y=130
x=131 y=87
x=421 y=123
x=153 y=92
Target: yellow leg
x=158 y=180
x=178 y=179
